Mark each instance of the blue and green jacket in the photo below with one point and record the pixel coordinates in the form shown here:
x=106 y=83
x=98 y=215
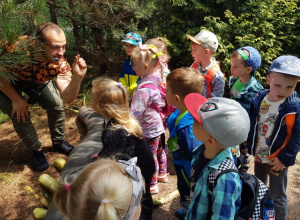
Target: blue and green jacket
x=182 y=141
x=249 y=91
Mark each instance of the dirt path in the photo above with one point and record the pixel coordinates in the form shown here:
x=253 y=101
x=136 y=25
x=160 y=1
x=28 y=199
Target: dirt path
x=17 y=203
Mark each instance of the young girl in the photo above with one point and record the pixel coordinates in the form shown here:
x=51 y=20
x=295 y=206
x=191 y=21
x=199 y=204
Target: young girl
x=161 y=45
x=105 y=190
x=122 y=136
x=144 y=105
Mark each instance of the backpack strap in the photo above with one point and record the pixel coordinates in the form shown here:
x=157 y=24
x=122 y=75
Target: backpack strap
x=160 y=89
x=226 y=166
x=211 y=72
x=289 y=121
x=156 y=87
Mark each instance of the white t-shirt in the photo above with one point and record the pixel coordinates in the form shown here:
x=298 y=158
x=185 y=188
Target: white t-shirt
x=268 y=114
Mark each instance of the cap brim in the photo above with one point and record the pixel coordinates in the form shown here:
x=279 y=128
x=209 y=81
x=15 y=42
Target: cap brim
x=130 y=42
x=193 y=39
x=192 y=102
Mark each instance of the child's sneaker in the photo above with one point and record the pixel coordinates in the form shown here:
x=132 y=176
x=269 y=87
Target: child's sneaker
x=154 y=189
x=181 y=213
x=40 y=161
x=163 y=178
x=63 y=147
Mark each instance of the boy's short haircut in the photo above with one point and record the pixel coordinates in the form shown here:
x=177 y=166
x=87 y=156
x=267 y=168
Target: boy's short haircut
x=250 y=55
x=132 y=38
x=224 y=119
x=206 y=39
x=286 y=64
x=184 y=81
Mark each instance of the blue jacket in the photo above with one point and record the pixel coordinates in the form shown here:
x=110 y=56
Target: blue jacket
x=249 y=91
x=226 y=196
x=183 y=132
x=128 y=77
x=291 y=106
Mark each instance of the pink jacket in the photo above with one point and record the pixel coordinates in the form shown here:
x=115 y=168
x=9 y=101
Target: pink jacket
x=142 y=99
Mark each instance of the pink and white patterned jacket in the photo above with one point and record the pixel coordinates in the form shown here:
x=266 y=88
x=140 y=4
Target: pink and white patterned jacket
x=142 y=99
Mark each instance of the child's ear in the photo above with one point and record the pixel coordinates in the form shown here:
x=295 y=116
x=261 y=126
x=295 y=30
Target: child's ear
x=146 y=66
x=249 y=69
x=207 y=51
x=211 y=140
x=268 y=80
x=177 y=98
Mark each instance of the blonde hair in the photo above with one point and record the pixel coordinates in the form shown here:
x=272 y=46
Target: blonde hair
x=184 y=81
x=110 y=99
x=102 y=191
x=148 y=54
x=161 y=45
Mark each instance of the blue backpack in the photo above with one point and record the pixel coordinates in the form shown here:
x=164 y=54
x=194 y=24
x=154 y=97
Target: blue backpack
x=257 y=203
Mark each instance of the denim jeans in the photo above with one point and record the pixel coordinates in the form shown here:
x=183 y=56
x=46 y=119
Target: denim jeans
x=48 y=97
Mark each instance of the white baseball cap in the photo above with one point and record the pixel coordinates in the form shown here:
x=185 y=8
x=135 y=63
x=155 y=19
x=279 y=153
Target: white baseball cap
x=206 y=39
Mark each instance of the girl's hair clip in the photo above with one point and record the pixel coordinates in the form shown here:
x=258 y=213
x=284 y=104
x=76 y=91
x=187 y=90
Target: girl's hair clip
x=157 y=55
x=120 y=85
x=142 y=48
x=68 y=186
x=104 y=201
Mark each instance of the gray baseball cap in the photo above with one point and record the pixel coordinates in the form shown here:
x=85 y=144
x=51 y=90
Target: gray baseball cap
x=206 y=39
x=224 y=119
x=286 y=64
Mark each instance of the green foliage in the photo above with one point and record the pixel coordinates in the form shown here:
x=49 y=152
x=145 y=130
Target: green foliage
x=95 y=28
x=17 y=18
x=269 y=26
x=3 y=117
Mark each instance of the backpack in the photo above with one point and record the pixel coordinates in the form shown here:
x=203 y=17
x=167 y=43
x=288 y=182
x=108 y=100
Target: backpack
x=166 y=111
x=257 y=203
x=208 y=76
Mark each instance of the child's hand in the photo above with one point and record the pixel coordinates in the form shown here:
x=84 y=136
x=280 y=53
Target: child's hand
x=276 y=164
x=94 y=156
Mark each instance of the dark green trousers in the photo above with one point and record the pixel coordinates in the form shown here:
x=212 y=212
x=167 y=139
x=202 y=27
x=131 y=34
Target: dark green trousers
x=48 y=97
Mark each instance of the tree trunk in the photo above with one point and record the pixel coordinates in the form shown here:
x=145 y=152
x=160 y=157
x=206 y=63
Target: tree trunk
x=51 y=4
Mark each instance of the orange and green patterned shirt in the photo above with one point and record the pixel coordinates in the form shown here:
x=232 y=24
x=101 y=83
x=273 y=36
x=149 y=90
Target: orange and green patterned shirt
x=39 y=71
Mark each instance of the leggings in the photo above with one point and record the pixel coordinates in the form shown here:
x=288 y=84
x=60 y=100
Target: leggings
x=158 y=149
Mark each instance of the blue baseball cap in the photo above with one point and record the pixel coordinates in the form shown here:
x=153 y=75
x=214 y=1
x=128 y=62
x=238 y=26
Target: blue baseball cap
x=254 y=59
x=286 y=64
x=132 y=38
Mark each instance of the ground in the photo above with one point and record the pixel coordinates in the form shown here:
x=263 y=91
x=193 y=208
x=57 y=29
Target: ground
x=18 y=203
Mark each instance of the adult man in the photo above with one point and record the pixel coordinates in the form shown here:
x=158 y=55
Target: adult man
x=35 y=80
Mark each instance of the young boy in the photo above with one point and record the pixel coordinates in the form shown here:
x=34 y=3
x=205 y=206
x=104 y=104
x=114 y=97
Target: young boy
x=182 y=142
x=128 y=77
x=270 y=114
x=219 y=123
x=204 y=45
x=243 y=85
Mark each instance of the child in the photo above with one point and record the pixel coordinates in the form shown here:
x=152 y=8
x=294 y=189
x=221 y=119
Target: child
x=128 y=77
x=182 y=142
x=161 y=45
x=219 y=123
x=204 y=45
x=104 y=190
x=269 y=114
x=243 y=85
x=122 y=137
x=145 y=105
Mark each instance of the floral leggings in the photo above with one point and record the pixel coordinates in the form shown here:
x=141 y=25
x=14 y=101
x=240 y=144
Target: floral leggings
x=159 y=152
